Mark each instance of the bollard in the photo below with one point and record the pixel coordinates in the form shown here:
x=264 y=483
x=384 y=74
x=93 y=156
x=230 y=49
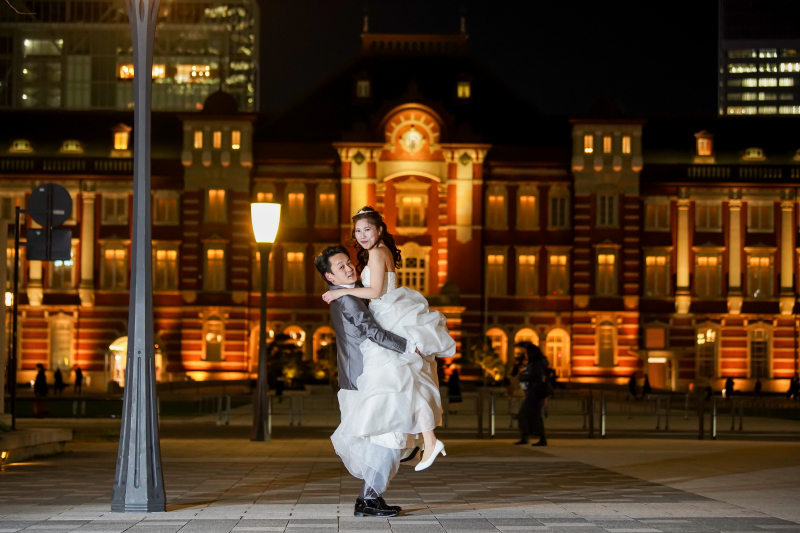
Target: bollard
x=219 y=410
x=291 y=411
x=479 y=413
x=585 y=412
x=491 y=415
x=269 y=416
x=733 y=415
x=510 y=413
x=74 y=408
x=590 y=408
x=446 y=412
x=686 y=408
x=83 y=407
x=741 y=414
x=714 y=418
x=603 y=417
x=300 y=411
x=228 y=412
x=658 y=414
x=701 y=415
x=666 y=418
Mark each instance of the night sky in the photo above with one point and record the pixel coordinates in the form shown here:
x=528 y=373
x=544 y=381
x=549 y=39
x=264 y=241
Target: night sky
x=656 y=58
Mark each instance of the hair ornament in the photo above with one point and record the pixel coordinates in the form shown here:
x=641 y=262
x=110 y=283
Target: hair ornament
x=363 y=212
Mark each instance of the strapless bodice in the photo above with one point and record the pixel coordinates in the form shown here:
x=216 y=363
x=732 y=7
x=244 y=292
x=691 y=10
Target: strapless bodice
x=389 y=280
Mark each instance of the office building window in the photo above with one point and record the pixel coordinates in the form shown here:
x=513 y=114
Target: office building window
x=114 y=271
x=527 y=284
x=656 y=216
x=626 y=144
x=759 y=276
x=707 y=353
x=217 y=139
x=213 y=339
x=588 y=144
x=62 y=272
x=326 y=206
x=165 y=208
x=742 y=110
x=363 y=88
x=411 y=212
x=656 y=266
x=296 y=205
x=216 y=206
x=760 y=217
x=742 y=53
x=294 y=280
x=708 y=216
x=558 y=216
x=198 y=139
x=495 y=275
x=759 y=353
x=214 y=270
x=165 y=269
x=527 y=214
x=741 y=68
x=557 y=274
x=606 y=345
x=607 y=144
x=606 y=272
x=606 y=210
x=496 y=207
x=236 y=139
x=115 y=209
x=786 y=82
x=708 y=276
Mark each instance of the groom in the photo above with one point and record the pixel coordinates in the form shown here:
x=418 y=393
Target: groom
x=353 y=323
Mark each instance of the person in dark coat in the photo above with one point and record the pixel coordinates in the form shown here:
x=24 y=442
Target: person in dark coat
x=280 y=384
x=40 y=391
x=757 y=388
x=78 y=389
x=729 y=388
x=58 y=382
x=529 y=416
x=632 y=392
x=794 y=387
x=646 y=388
x=454 y=391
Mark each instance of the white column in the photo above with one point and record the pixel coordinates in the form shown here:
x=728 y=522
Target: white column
x=787 y=258
x=735 y=258
x=682 y=297
x=86 y=288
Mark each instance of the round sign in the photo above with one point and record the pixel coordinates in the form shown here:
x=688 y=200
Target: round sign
x=52 y=201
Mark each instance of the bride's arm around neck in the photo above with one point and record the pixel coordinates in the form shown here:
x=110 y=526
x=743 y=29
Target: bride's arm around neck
x=378 y=258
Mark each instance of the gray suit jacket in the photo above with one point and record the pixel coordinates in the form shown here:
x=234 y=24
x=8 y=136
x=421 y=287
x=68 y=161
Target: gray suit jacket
x=353 y=323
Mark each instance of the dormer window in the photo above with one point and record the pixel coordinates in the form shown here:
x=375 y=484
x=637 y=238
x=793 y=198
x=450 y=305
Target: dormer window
x=363 y=88
x=754 y=154
x=21 y=146
x=464 y=89
x=72 y=147
x=705 y=144
x=121 y=140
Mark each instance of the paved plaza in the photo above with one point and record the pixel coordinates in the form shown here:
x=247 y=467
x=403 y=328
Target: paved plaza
x=298 y=485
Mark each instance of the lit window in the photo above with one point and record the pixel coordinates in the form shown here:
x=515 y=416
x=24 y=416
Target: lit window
x=606 y=274
x=413 y=272
x=121 y=140
x=786 y=82
x=607 y=144
x=789 y=52
x=165 y=208
x=767 y=110
x=707 y=353
x=708 y=274
x=61 y=344
x=557 y=275
x=605 y=345
x=412 y=212
x=526 y=214
x=742 y=110
x=42 y=47
x=558 y=211
x=21 y=146
x=588 y=144
x=125 y=71
x=767 y=52
x=759 y=278
x=767 y=96
x=656 y=283
x=708 y=216
x=71 y=147
x=606 y=210
x=115 y=209
x=656 y=216
x=216 y=211
x=326 y=206
x=526 y=275
x=739 y=68
x=198 y=140
x=759 y=354
x=213 y=338
x=217 y=139
x=495 y=278
x=464 y=89
x=215 y=270
x=496 y=209
x=790 y=67
x=296 y=215
x=236 y=139
x=767 y=82
x=264 y=197
x=195 y=73
x=768 y=67
x=165 y=270
x=789 y=110
x=704 y=146
x=62 y=272
x=294 y=281
x=759 y=216
x=753 y=154
x=735 y=83
x=115 y=269
x=626 y=144
x=363 y=88
x=736 y=54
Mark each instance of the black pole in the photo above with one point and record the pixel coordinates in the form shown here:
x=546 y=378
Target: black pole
x=12 y=357
x=261 y=431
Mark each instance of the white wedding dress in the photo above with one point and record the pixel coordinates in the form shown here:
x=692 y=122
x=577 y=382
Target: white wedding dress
x=398 y=394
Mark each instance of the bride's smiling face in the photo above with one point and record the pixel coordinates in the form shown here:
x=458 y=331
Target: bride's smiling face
x=366 y=234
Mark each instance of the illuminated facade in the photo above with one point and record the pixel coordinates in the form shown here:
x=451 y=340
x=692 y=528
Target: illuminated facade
x=77 y=55
x=759 y=58
x=607 y=242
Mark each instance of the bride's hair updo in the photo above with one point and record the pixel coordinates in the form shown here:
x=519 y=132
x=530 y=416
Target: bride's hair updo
x=376 y=220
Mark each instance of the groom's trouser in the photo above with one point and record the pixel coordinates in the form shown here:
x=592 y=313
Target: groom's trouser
x=368 y=493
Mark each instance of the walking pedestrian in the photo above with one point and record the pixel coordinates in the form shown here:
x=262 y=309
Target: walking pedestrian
x=633 y=394
x=529 y=416
x=40 y=391
x=58 y=382
x=646 y=388
x=757 y=388
x=78 y=388
x=280 y=384
x=454 y=391
x=729 y=388
x=794 y=387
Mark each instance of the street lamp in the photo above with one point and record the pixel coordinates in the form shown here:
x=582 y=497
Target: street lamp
x=139 y=480
x=266 y=219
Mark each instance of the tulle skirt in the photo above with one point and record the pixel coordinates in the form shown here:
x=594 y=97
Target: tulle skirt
x=398 y=394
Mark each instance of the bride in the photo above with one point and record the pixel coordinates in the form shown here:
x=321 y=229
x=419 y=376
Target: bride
x=398 y=393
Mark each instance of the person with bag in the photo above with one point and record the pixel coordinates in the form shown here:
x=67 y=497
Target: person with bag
x=531 y=421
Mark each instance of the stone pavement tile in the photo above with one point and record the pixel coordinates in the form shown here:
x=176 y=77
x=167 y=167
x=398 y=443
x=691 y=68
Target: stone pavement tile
x=474 y=524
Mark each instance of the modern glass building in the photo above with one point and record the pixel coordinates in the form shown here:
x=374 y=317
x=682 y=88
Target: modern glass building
x=759 y=57
x=77 y=54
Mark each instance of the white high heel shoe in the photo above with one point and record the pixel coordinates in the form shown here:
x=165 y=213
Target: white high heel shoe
x=438 y=448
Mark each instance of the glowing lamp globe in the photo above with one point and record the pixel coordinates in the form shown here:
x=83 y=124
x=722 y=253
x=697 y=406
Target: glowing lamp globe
x=266 y=219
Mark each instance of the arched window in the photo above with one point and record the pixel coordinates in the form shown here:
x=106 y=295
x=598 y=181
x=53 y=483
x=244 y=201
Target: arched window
x=297 y=335
x=499 y=341
x=323 y=338
x=213 y=338
x=413 y=272
x=527 y=335
x=557 y=351
x=707 y=352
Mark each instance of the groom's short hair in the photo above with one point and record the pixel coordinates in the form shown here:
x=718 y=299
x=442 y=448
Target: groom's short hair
x=323 y=260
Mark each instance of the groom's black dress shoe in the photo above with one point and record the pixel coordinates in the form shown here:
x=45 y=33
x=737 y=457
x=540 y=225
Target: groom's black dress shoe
x=394 y=507
x=376 y=507
x=411 y=455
